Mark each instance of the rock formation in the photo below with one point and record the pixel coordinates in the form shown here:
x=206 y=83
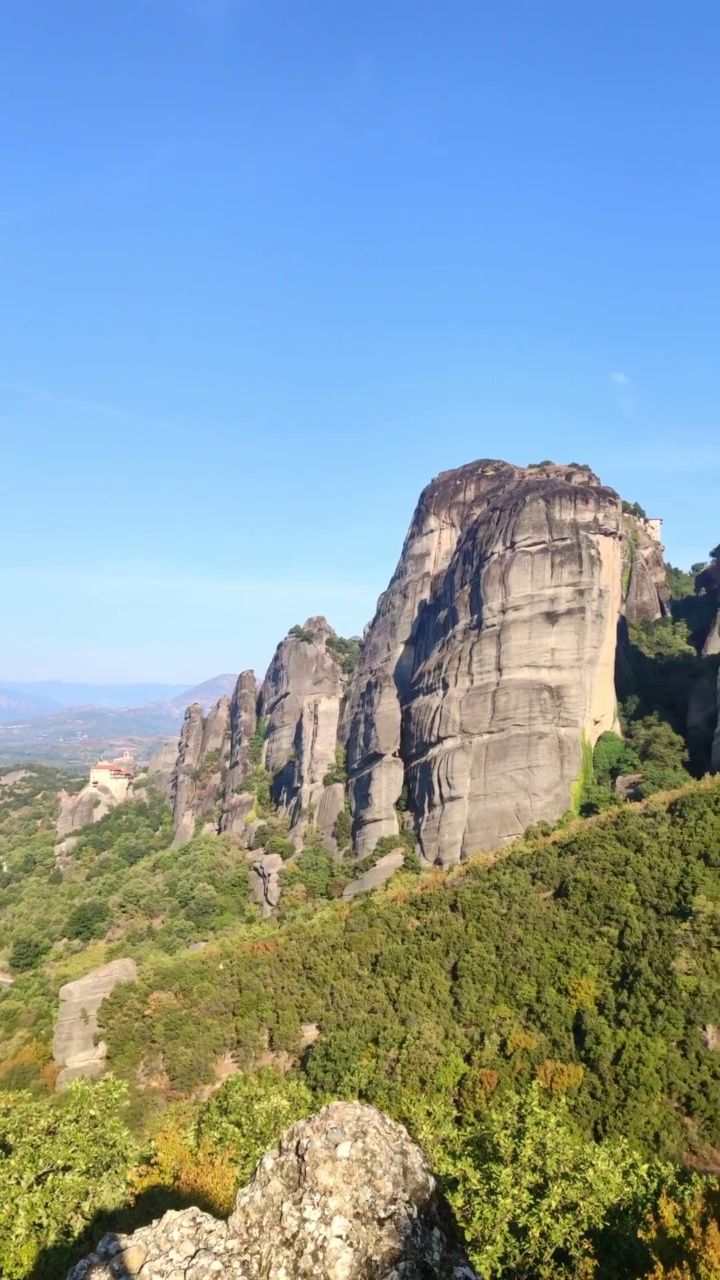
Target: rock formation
x=299 y=708
x=201 y=763
x=265 y=881
x=74 y=1048
x=161 y=767
x=243 y=723
x=300 y=704
x=490 y=658
x=486 y=672
x=78 y=811
x=645 y=590
x=347 y=1195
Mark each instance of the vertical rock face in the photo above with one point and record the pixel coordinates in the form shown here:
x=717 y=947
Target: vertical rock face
x=645 y=589
x=200 y=767
x=161 y=767
x=384 y=670
x=300 y=703
x=237 y=804
x=243 y=723
x=490 y=658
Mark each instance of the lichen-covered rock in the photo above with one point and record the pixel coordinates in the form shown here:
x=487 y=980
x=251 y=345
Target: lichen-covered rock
x=347 y=1195
x=490 y=658
x=197 y=780
x=74 y=1047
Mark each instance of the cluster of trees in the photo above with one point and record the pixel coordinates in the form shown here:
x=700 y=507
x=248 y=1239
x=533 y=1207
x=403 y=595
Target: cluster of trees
x=123 y=891
x=534 y=1198
x=586 y=958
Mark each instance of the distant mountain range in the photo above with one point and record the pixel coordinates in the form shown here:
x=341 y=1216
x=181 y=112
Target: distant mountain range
x=52 y=695
x=34 y=725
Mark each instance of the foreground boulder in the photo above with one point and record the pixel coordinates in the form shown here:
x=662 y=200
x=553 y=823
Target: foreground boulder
x=347 y=1195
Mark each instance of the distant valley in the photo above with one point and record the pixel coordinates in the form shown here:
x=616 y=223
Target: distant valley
x=75 y=724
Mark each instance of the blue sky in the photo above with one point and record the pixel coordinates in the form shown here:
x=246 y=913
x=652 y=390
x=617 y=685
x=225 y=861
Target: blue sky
x=269 y=266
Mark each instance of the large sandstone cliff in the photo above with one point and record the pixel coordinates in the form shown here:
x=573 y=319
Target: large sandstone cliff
x=300 y=703
x=490 y=659
x=486 y=673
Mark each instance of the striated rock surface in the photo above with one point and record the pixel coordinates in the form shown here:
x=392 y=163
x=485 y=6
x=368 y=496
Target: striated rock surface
x=200 y=768
x=490 y=658
x=74 y=1048
x=645 y=589
x=300 y=702
x=243 y=723
x=347 y=1195
x=330 y=805
x=161 y=767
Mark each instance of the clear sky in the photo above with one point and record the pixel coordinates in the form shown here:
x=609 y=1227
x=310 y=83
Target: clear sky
x=270 y=265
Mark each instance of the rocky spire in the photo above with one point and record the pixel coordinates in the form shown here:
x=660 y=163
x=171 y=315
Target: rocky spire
x=490 y=658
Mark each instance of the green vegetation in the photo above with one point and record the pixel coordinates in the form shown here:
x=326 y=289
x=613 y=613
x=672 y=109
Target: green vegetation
x=543 y=1020
x=681 y=583
x=338 y=771
x=345 y=651
x=634 y=509
x=302 y=633
x=590 y=948
x=257 y=741
x=61 y=1164
x=545 y=1014
x=250 y=1113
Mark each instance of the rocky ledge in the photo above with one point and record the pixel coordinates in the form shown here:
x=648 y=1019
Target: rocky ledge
x=347 y=1195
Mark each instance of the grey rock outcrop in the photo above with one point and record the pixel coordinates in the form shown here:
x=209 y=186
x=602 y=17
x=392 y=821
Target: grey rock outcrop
x=330 y=806
x=300 y=702
x=161 y=767
x=376 y=876
x=265 y=881
x=74 y=1048
x=645 y=589
x=80 y=810
x=490 y=658
x=347 y=1195
x=200 y=768
x=243 y=723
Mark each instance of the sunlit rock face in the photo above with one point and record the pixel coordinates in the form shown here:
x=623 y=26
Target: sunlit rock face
x=199 y=769
x=490 y=658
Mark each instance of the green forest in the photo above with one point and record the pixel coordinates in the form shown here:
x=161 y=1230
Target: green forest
x=545 y=1021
